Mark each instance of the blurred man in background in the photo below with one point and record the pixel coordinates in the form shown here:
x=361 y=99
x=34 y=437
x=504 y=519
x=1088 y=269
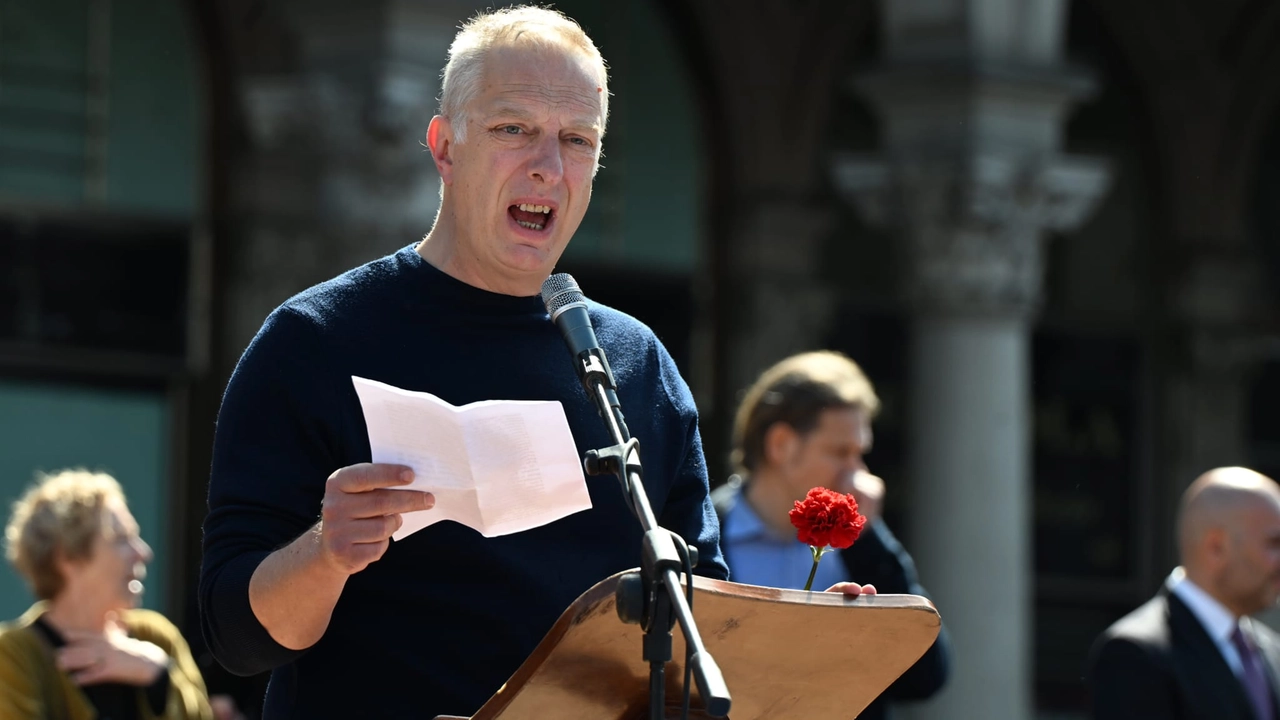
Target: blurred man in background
x=1193 y=652
x=806 y=422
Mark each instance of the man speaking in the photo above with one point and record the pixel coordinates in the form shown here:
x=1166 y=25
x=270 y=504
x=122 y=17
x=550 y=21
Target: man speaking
x=299 y=575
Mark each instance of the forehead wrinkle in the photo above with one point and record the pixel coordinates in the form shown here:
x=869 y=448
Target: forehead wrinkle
x=554 y=95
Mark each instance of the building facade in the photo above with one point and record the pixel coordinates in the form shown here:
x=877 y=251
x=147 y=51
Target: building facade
x=1049 y=230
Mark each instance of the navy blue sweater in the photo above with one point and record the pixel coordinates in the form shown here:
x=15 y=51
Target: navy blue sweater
x=444 y=618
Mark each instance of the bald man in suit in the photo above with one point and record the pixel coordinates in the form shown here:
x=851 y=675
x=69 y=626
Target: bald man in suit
x=1193 y=652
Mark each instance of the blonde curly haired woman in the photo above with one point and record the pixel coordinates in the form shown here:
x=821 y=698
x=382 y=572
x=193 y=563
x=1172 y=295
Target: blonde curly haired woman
x=85 y=651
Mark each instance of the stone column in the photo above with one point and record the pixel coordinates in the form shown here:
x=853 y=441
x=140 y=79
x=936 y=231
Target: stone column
x=972 y=99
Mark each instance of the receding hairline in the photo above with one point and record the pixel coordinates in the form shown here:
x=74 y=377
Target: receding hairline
x=520 y=28
x=554 y=45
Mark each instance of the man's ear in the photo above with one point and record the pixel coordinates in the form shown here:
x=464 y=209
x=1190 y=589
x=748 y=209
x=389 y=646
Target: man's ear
x=780 y=443
x=1216 y=544
x=440 y=143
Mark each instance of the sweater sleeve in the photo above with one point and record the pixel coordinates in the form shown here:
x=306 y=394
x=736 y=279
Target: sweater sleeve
x=689 y=510
x=274 y=447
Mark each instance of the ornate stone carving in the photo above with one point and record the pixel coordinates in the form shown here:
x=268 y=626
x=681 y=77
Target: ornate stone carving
x=973 y=229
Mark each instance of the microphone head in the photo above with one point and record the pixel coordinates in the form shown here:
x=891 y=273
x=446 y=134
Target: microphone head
x=560 y=292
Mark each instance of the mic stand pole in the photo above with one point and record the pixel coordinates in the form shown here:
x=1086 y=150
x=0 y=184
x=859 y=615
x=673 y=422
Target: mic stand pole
x=654 y=599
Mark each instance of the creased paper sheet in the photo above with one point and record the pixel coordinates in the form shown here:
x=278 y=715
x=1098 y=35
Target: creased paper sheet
x=498 y=466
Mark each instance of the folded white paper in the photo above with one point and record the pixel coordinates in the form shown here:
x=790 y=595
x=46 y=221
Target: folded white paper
x=498 y=466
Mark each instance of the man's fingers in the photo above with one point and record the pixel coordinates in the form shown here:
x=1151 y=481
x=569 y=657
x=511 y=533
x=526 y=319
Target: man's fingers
x=369 y=476
x=376 y=503
x=370 y=530
x=360 y=555
x=868 y=486
x=852 y=589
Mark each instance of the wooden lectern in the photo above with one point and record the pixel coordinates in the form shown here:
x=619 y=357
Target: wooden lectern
x=785 y=655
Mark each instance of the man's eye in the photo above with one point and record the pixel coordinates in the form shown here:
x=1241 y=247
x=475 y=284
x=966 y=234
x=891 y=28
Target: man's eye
x=511 y=129
x=579 y=141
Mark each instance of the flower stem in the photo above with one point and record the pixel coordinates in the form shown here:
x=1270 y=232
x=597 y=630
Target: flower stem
x=817 y=555
x=809 y=583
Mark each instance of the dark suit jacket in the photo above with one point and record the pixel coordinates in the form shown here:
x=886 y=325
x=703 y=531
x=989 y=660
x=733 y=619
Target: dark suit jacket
x=1159 y=663
x=877 y=558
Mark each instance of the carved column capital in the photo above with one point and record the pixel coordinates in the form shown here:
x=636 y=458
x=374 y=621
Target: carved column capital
x=973 y=229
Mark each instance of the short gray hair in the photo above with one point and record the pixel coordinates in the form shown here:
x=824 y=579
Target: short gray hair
x=464 y=71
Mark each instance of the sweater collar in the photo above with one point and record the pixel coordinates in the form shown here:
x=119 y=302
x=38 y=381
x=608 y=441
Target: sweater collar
x=442 y=286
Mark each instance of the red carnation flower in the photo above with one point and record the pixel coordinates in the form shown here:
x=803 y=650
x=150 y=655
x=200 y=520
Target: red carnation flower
x=826 y=518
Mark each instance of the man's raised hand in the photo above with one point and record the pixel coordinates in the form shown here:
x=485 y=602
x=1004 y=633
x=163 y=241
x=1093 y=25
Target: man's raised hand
x=361 y=510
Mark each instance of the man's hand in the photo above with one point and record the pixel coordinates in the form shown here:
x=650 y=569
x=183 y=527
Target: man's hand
x=360 y=512
x=868 y=490
x=852 y=589
x=293 y=592
x=113 y=656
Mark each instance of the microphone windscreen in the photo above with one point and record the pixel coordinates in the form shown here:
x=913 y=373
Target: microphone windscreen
x=559 y=291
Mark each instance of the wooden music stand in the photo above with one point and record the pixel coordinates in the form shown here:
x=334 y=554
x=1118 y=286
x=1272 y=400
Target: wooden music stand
x=785 y=655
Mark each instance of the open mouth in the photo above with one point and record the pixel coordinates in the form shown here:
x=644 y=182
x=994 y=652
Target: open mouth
x=533 y=217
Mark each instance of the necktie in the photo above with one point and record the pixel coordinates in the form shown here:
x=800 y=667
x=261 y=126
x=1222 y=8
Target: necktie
x=1254 y=677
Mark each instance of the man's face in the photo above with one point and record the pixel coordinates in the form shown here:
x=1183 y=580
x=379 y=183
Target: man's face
x=828 y=455
x=521 y=181
x=1251 y=577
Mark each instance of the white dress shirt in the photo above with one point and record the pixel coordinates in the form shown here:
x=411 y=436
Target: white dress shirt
x=1216 y=619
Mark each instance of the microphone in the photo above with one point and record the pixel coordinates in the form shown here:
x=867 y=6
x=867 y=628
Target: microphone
x=654 y=610
x=567 y=307
x=656 y=600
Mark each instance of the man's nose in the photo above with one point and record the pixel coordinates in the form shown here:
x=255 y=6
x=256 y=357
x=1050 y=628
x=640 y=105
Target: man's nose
x=547 y=165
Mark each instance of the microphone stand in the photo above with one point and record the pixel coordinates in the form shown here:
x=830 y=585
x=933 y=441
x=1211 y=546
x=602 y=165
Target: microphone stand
x=654 y=599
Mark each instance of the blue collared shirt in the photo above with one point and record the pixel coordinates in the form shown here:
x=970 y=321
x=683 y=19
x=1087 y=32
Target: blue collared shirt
x=757 y=555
